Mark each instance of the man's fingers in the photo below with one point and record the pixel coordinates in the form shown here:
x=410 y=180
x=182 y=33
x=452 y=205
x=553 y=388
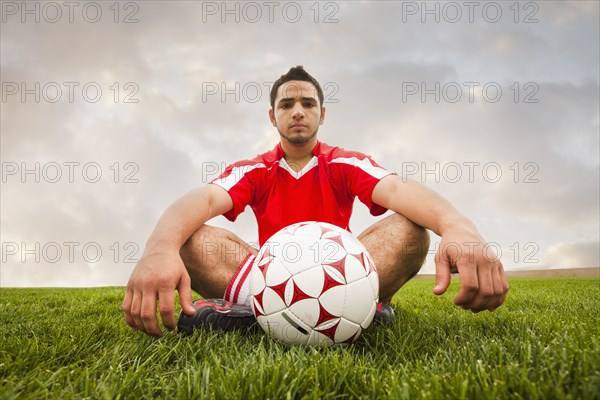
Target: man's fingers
x=498 y=289
x=166 y=301
x=483 y=283
x=126 y=308
x=136 y=310
x=469 y=284
x=442 y=274
x=185 y=294
x=486 y=294
x=148 y=314
x=502 y=286
x=505 y=285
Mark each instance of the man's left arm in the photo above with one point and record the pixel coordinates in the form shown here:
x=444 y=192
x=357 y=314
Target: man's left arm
x=483 y=282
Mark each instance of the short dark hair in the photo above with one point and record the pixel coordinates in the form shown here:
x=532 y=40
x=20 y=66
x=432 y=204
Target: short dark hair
x=296 y=73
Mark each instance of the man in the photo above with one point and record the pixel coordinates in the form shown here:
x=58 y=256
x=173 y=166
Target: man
x=301 y=179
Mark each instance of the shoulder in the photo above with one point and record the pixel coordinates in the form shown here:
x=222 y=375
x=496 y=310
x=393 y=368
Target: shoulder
x=354 y=162
x=264 y=160
x=337 y=154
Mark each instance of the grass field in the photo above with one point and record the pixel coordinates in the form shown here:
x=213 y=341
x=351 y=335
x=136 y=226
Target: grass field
x=544 y=343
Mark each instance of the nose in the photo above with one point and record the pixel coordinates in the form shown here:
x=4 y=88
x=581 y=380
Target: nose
x=297 y=112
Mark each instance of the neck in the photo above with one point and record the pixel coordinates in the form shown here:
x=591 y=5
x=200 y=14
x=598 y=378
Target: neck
x=298 y=154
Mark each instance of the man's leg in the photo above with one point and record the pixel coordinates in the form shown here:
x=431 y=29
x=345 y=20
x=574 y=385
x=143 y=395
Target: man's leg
x=212 y=256
x=217 y=261
x=398 y=247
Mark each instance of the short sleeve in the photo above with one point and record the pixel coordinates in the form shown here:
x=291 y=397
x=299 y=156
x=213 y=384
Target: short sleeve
x=362 y=178
x=236 y=181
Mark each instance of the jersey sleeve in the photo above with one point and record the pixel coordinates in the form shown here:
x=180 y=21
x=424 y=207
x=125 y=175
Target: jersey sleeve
x=362 y=175
x=237 y=180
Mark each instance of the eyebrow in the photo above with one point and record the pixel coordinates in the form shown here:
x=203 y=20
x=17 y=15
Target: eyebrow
x=288 y=99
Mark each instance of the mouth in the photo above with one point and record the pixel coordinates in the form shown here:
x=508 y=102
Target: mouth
x=297 y=126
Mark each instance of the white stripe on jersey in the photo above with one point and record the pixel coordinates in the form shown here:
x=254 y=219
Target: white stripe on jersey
x=365 y=165
x=237 y=173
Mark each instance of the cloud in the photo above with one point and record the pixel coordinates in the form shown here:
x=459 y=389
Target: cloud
x=180 y=130
x=573 y=255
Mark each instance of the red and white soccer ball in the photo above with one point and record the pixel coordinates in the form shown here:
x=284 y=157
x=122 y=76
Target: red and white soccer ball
x=313 y=283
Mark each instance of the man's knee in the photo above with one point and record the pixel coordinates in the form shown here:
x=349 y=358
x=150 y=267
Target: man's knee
x=211 y=256
x=416 y=242
x=413 y=239
x=212 y=245
x=200 y=245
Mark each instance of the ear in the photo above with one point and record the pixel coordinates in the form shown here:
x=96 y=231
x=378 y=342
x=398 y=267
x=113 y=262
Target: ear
x=272 y=117
x=322 y=119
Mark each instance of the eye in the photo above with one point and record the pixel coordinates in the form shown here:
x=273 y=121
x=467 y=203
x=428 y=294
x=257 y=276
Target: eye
x=309 y=105
x=285 y=105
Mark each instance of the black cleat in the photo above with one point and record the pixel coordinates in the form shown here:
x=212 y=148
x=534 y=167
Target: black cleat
x=384 y=314
x=217 y=314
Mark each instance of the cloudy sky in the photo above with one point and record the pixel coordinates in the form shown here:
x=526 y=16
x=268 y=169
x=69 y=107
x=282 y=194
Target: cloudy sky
x=111 y=111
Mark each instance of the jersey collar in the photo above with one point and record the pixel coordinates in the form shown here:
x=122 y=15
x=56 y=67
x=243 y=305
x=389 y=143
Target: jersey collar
x=277 y=152
x=279 y=155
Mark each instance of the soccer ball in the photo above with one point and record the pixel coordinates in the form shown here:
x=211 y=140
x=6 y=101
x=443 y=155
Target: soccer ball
x=313 y=283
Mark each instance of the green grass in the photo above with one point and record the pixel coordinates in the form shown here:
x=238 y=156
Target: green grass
x=542 y=344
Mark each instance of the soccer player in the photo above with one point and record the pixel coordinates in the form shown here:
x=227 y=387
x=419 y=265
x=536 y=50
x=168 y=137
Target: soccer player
x=301 y=179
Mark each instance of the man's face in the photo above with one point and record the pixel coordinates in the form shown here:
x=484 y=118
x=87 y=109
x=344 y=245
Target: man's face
x=297 y=113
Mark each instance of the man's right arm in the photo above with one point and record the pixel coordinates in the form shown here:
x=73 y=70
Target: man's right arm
x=160 y=270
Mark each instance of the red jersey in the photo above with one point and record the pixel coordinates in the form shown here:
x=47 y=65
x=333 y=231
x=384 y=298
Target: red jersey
x=323 y=191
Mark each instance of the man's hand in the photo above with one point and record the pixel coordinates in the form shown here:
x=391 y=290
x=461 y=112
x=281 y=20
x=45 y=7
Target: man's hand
x=156 y=277
x=161 y=270
x=483 y=283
